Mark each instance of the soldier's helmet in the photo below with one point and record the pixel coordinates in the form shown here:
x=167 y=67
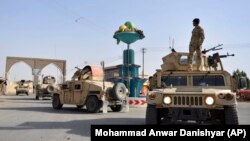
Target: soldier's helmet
x=146 y=84
x=196 y=20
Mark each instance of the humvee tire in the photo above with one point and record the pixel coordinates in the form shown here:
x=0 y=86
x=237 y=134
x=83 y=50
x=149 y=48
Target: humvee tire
x=230 y=115
x=93 y=105
x=56 y=103
x=119 y=91
x=116 y=108
x=152 y=116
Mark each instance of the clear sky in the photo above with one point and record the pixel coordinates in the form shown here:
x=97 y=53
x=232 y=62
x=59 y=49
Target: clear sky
x=80 y=31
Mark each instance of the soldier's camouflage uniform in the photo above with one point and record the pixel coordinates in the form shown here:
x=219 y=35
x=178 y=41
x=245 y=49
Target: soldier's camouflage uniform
x=196 y=44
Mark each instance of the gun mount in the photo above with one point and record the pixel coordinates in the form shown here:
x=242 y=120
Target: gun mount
x=88 y=72
x=178 y=61
x=212 y=61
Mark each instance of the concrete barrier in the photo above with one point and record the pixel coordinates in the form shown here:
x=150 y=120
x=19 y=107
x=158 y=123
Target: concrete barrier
x=137 y=102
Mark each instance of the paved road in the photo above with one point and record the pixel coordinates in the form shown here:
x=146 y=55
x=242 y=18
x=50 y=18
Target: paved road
x=23 y=118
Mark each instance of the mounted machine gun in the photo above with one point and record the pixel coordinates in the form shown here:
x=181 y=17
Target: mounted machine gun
x=215 y=58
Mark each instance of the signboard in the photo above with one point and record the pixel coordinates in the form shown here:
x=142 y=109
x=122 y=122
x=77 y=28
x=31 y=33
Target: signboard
x=36 y=72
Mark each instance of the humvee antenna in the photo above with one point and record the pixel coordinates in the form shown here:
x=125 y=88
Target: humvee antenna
x=173 y=43
x=171 y=47
x=169 y=42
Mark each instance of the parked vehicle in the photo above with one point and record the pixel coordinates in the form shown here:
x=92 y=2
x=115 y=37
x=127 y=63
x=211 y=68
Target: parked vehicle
x=47 y=87
x=200 y=96
x=87 y=88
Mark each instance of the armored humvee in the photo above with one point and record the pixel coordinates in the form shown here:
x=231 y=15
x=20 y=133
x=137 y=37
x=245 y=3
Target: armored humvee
x=87 y=88
x=47 y=87
x=22 y=87
x=204 y=95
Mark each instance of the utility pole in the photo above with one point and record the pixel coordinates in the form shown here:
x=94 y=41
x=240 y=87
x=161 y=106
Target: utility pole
x=143 y=51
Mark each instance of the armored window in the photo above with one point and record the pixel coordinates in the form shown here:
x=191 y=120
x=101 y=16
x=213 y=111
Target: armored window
x=65 y=86
x=184 y=59
x=49 y=80
x=211 y=80
x=77 y=87
x=174 y=80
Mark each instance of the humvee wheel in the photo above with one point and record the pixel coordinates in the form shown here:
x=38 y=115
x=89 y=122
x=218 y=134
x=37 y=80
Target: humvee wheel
x=116 y=108
x=230 y=115
x=152 y=116
x=119 y=91
x=79 y=106
x=93 y=104
x=56 y=103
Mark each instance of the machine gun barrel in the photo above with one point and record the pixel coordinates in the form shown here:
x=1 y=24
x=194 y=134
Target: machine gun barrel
x=224 y=56
x=213 y=49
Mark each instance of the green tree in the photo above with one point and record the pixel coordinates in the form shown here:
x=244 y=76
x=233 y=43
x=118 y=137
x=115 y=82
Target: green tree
x=240 y=73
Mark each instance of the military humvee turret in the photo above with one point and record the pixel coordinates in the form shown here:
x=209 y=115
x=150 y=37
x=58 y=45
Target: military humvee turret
x=47 y=87
x=200 y=96
x=87 y=88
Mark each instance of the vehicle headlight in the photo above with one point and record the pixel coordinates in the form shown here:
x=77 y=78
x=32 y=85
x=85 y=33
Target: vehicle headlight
x=229 y=96
x=167 y=100
x=209 y=100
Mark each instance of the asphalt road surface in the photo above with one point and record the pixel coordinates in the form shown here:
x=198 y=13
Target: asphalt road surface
x=22 y=118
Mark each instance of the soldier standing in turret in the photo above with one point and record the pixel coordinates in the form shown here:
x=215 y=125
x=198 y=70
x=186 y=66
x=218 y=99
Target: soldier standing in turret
x=196 y=43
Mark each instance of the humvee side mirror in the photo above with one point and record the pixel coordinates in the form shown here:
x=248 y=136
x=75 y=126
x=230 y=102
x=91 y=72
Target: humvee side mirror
x=242 y=83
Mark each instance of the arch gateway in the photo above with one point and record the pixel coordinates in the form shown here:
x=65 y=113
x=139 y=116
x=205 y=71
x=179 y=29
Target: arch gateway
x=36 y=64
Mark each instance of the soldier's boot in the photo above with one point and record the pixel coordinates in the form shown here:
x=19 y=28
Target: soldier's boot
x=198 y=67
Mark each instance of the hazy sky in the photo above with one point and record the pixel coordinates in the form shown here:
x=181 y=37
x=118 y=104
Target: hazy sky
x=80 y=31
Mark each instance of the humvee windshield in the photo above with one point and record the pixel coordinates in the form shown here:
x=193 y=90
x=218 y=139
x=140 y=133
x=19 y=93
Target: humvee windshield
x=211 y=80
x=174 y=80
x=214 y=80
x=49 y=80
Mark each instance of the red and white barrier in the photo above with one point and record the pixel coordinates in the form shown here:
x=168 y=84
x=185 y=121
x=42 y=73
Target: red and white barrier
x=137 y=102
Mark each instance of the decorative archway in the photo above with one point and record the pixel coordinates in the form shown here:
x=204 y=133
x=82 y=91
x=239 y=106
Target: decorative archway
x=36 y=64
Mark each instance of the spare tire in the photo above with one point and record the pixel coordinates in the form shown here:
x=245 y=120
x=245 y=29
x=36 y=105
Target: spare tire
x=50 y=89
x=119 y=91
